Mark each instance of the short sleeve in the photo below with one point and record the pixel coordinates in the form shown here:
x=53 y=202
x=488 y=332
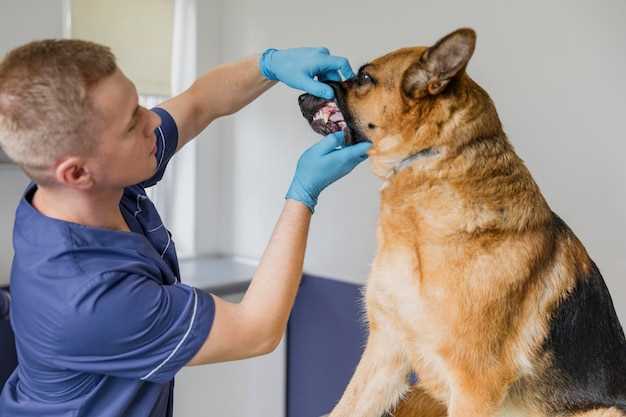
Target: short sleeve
x=167 y=142
x=130 y=326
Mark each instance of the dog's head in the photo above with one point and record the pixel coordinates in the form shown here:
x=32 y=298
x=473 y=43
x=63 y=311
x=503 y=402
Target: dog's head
x=400 y=101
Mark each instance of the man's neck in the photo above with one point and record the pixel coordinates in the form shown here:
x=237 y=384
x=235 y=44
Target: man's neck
x=95 y=209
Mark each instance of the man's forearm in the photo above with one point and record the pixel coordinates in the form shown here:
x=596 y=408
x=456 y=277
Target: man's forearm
x=227 y=88
x=273 y=289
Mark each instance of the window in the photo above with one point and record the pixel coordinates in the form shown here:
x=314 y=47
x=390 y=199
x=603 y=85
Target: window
x=144 y=35
x=139 y=33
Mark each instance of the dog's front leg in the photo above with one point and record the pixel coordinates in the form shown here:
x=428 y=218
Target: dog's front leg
x=379 y=381
x=478 y=394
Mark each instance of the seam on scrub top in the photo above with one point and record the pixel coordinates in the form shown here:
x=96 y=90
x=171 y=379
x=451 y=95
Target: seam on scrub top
x=193 y=317
x=156 y=228
x=169 y=239
x=163 y=147
x=139 y=209
x=74 y=245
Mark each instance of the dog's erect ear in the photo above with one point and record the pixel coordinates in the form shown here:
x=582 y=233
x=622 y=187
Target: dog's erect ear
x=439 y=64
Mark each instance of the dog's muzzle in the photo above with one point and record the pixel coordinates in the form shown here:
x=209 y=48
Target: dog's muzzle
x=329 y=116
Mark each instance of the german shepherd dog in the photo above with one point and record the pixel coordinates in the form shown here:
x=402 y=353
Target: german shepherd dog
x=476 y=286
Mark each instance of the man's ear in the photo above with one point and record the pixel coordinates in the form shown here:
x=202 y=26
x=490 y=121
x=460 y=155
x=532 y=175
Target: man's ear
x=73 y=173
x=439 y=64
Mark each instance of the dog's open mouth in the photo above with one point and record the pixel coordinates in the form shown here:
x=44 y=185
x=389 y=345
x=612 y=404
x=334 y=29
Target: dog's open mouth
x=328 y=119
x=325 y=117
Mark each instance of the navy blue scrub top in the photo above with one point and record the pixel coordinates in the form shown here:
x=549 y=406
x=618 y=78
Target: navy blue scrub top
x=102 y=322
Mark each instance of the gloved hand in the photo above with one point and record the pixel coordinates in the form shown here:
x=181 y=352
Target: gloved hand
x=296 y=67
x=323 y=164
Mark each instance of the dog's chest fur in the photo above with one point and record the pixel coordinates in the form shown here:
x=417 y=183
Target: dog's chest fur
x=407 y=310
x=419 y=298
x=399 y=305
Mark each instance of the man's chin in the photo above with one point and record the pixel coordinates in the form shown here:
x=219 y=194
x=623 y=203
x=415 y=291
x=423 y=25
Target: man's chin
x=145 y=176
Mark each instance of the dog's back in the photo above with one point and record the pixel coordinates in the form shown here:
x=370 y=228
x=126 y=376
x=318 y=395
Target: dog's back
x=585 y=345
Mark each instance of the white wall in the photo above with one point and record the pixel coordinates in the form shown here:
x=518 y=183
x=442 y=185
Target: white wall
x=253 y=387
x=554 y=69
x=208 y=144
x=44 y=19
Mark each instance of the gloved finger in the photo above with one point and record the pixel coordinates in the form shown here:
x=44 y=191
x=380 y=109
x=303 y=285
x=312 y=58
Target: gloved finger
x=329 y=143
x=329 y=75
x=337 y=63
x=324 y=51
x=356 y=153
x=315 y=88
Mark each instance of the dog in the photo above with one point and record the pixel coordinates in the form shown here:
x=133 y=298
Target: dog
x=476 y=285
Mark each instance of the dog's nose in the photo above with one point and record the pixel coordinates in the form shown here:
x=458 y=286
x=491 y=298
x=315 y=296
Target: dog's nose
x=301 y=98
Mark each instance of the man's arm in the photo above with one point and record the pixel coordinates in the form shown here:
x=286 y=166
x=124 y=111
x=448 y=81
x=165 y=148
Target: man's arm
x=227 y=88
x=255 y=325
x=220 y=92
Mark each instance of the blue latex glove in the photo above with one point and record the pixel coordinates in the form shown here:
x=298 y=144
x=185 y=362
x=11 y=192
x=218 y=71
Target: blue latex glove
x=321 y=165
x=296 y=67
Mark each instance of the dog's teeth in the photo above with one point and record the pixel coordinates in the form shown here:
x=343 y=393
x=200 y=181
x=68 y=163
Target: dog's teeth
x=329 y=114
x=321 y=115
x=336 y=117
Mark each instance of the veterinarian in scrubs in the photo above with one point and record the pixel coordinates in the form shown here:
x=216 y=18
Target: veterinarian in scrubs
x=102 y=320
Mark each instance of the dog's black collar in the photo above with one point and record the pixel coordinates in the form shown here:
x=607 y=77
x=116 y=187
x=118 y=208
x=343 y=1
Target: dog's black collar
x=406 y=162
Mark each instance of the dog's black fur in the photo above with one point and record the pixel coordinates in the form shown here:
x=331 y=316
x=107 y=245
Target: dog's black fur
x=588 y=348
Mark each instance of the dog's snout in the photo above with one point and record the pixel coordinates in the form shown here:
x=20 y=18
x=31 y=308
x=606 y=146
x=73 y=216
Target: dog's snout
x=301 y=98
x=337 y=87
x=333 y=83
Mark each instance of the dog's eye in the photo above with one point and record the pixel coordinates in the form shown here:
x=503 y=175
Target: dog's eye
x=364 y=79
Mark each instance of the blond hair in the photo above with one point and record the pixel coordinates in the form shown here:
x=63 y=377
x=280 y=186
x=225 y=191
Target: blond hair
x=45 y=111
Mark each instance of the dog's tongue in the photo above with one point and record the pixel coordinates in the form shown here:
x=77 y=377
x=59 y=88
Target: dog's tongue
x=329 y=119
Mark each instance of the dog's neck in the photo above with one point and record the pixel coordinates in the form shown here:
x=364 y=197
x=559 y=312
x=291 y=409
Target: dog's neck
x=466 y=206
x=409 y=160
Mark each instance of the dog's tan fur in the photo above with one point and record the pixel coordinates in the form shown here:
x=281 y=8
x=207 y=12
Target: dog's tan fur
x=470 y=261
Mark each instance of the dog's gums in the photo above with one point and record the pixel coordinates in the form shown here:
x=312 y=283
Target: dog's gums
x=329 y=119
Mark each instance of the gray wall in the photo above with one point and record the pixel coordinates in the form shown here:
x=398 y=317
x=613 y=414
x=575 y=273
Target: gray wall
x=554 y=69
x=43 y=19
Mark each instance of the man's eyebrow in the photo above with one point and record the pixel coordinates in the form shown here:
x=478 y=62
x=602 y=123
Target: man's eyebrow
x=132 y=118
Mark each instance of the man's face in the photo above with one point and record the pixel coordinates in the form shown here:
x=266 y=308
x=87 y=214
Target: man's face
x=125 y=153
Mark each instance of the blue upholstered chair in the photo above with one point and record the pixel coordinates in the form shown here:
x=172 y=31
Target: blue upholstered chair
x=8 y=358
x=325 y=340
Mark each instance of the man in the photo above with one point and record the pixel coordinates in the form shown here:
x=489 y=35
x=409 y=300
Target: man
x=102 y=321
